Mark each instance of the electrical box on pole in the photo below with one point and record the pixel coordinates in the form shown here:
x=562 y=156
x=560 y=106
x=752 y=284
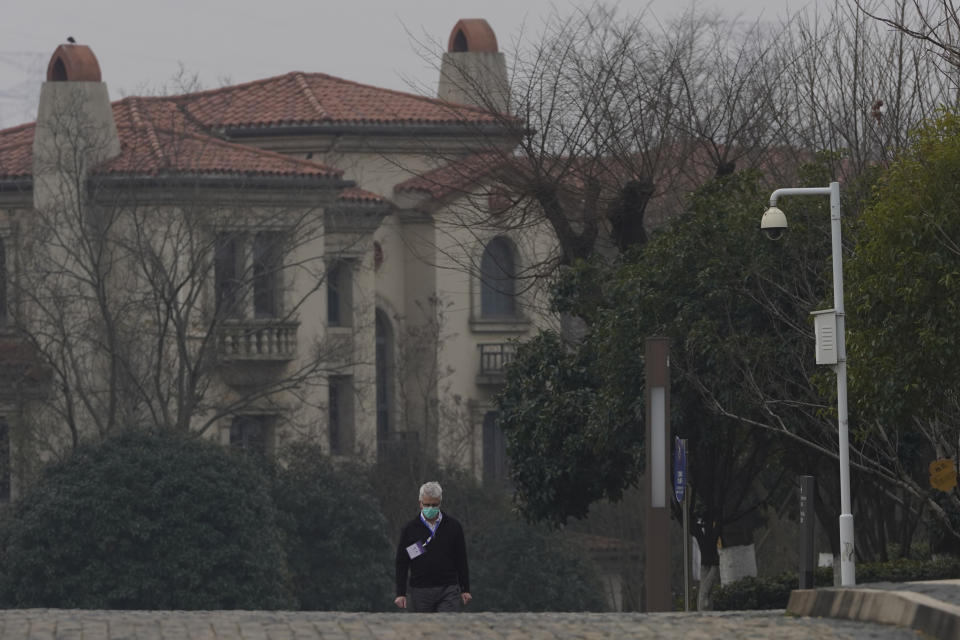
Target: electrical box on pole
x=825 y=330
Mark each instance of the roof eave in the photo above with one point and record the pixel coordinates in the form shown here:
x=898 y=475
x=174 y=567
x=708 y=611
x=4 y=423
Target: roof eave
x=223 y=180
x=405 y=130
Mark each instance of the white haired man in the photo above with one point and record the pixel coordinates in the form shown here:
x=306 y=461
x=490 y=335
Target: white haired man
x=432 y=552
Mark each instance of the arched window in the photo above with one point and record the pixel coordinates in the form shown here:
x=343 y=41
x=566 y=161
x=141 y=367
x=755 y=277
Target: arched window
x=384 y=370
x=498 y=280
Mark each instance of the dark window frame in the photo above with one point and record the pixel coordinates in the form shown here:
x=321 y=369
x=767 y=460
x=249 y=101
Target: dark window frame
x=498 y=280
x=228 y=267
x=340 y=294
x=267 y=263
x=496 y=465
x=252 y=434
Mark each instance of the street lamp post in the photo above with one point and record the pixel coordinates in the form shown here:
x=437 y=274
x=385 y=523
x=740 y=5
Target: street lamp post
x=774 y=223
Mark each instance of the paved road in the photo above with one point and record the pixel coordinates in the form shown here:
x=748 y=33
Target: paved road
x=38 y=624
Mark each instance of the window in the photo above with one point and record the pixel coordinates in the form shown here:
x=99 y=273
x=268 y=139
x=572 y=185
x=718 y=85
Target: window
x=340 y=414
x=4 y=460
x=384 y=369
x=3 y=282
x=498 y=285
x=495 y=465
x=339 y=294
x=228 y=266
x=245 y=264
x=267 y=266
x=251 y=434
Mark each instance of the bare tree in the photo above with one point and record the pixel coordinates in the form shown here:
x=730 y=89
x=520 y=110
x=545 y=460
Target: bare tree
x=855 y=89
x=934 y=23
x=165 y=286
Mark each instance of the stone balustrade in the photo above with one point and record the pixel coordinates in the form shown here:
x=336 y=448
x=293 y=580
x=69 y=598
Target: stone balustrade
x=258 y=340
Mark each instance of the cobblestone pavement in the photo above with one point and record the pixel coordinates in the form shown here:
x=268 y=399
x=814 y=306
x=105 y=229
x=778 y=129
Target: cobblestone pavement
x=40 y=624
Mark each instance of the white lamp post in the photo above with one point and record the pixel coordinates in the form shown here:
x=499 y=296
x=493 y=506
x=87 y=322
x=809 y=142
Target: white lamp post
x=774 y=223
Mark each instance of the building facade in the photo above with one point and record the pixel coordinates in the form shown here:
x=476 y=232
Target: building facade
x=296 y=258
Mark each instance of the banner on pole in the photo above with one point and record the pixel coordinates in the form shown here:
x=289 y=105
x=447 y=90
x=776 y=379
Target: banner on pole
x=679 y=469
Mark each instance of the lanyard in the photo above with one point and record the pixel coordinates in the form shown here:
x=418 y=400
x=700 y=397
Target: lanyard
x=433 y=529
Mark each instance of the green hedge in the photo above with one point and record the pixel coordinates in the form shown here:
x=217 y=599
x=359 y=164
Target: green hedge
x=157 y=521
x=146 y=521
x=774 y=592
x=338 y=550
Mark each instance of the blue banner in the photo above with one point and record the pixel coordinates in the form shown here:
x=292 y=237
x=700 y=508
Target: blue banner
x=679 y=469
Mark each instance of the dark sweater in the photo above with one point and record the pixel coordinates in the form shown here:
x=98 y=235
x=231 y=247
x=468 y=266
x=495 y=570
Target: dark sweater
x=444 y=561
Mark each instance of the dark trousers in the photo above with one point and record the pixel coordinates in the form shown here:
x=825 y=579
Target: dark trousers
x=434 y=599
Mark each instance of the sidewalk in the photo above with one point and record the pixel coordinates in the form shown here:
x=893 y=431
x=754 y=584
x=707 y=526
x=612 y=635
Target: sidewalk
x=931 y=607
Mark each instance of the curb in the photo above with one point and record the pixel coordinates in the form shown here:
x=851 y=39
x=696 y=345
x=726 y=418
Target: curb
x=902 y=608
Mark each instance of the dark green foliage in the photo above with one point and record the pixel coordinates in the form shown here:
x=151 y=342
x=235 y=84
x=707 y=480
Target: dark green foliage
x=763 y=593
x=573 y=413
x=147 y=521
x=905 y=286
x=570 y=444
x=517 y=566
x=774 y=592
x=338 y=549
x=514 y=566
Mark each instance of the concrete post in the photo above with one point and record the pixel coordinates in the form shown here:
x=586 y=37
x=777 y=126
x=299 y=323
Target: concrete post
x=657 y=542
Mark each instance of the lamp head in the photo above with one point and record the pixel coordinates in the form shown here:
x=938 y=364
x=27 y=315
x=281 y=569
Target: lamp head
x=773 y=223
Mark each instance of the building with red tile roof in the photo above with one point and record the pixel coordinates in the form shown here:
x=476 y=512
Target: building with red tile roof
x=285 y=259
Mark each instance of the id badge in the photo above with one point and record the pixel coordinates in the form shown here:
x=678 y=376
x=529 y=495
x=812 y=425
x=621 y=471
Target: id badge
x=415 y=550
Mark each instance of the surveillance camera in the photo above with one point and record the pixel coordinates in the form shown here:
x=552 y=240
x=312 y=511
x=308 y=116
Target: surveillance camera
x=773 y=223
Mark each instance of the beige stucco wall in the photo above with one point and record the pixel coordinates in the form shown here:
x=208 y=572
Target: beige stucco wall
x=459 y=251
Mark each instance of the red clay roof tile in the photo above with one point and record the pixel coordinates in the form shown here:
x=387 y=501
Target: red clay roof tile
x=16 y=151
x=318 y=98
x=173 y=134
x=157 y=137
x=354 y=194
x=454 y=177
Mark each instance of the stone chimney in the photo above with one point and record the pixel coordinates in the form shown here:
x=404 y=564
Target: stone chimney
x=473 y=71
x=75 y=130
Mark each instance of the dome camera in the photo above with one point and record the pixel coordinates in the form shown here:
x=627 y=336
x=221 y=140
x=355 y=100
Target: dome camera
x=773 y=223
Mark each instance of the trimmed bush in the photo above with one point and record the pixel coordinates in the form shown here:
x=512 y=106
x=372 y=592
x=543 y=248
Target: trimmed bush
x=774 y=592
x=516 y=566
x=338 y=550
x=146 y=521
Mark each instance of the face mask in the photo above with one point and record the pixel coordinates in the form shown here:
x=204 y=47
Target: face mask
x=430 y=512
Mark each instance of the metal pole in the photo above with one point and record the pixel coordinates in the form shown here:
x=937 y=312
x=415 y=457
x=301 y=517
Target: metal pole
x=847 y=567
x=686 y=538
x=807 y=496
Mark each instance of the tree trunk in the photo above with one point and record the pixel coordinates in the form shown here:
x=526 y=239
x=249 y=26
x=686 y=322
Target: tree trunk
x=709 y=578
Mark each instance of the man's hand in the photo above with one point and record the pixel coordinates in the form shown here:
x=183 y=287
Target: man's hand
x=401 y=601
x=466 y=598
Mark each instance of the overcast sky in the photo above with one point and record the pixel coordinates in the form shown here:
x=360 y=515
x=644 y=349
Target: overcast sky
x=141 y=44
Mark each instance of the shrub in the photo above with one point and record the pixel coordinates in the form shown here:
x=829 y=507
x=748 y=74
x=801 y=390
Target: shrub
x=516 y=566
x=774 y=592
x=146 y=521
x=338 y=550
x=521 y=567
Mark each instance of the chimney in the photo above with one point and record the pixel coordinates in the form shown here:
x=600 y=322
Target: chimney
x=473 y=71
x=75 y=130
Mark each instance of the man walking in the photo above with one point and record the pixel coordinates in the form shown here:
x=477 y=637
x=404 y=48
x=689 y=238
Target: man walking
x=433 y=552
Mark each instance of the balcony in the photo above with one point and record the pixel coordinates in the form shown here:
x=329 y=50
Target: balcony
x=257 y=340
x=494 y=358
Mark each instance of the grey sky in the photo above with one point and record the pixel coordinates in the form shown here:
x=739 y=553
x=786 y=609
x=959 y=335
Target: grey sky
x=141 y=44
